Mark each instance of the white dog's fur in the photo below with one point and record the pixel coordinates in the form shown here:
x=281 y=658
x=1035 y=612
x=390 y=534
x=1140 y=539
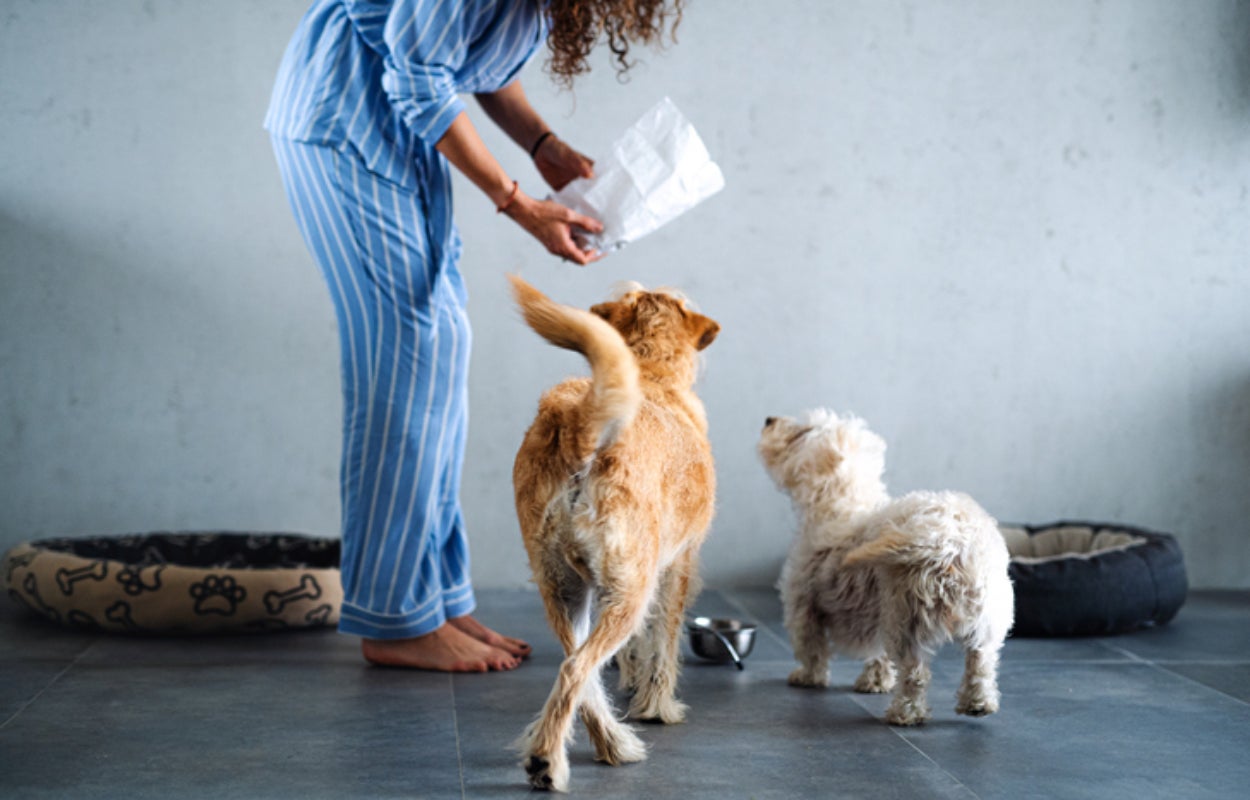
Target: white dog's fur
x=885 y=580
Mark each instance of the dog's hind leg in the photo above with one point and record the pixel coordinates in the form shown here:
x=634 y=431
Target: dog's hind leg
x=654 y=667
x=614 y=741
x=877 y=677
x=545 y=742
x=978 y=693
x=909 y=706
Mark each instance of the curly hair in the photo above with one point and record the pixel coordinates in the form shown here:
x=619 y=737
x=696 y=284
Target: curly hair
x=577 y=26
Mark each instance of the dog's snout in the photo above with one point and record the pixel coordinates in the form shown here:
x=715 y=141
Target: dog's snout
x=769 y=421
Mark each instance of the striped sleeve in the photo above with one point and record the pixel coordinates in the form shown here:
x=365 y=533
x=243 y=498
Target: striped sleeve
x=426 y=42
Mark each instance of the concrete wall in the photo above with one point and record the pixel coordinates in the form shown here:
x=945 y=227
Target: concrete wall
x=1013 y=236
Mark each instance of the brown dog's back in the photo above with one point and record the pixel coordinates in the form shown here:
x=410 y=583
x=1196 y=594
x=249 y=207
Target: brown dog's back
x=614 y=421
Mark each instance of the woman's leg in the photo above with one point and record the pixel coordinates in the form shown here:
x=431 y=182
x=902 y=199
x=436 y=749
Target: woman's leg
x=404 y=380
x=458 y=601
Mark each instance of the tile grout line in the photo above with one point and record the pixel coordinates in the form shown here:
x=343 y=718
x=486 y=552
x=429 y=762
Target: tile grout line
x=455 y=724
x=50 y=684
x=1160 y=668
x=928 y=758
x=1206 y=662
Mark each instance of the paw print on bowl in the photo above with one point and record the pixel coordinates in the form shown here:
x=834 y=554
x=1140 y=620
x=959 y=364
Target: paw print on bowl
x=217 y=594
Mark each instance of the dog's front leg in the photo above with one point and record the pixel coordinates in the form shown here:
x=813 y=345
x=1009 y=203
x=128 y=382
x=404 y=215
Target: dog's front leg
x=810 y=639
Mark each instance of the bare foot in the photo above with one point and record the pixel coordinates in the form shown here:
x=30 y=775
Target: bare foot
x=482 y=633
x=446 y=649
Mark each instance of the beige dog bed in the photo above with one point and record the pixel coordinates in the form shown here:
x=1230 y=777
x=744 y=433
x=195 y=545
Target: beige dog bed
x=179 y=582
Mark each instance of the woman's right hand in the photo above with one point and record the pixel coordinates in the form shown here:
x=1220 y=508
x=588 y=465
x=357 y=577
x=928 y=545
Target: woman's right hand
x=553 y=225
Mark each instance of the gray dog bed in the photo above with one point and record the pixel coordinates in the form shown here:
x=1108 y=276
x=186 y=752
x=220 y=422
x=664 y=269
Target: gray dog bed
x=1082 y=578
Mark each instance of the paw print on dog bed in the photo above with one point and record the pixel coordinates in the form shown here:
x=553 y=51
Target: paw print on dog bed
x=217 y=594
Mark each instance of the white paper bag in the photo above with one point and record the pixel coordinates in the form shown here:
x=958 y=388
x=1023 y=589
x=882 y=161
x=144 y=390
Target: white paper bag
x=656 y=170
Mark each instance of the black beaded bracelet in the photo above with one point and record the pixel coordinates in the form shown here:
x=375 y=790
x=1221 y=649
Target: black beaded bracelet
x=538 y=144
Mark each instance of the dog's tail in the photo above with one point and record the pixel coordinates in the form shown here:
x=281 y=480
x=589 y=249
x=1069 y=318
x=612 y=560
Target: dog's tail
x=615 y=392
x=899 y=547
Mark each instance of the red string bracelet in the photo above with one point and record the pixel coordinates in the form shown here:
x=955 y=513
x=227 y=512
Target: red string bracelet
x=511 y=196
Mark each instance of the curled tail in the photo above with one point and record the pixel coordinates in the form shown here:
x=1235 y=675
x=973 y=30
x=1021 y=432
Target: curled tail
x=615 y=394
x=899 y=547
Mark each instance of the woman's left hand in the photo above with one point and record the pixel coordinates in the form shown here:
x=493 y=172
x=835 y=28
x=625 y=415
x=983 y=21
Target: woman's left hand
x=558 y=163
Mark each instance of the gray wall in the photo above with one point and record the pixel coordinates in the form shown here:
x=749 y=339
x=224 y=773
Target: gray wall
x=1013 y=236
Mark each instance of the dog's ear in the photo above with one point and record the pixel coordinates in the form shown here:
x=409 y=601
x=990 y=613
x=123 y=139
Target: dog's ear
x=703 y=330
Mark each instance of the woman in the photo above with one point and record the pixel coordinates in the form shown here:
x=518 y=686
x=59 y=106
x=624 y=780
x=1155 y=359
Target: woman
x=365 y=118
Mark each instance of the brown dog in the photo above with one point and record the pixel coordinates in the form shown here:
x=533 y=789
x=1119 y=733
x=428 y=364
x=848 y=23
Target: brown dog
x=614 y=490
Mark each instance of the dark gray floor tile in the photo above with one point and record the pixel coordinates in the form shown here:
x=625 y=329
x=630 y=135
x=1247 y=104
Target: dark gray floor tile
x=1231 y=679
x=24 y=635
x=1211 y=626
x=33 y=655
x=23 y=682
x=320 y=646
x=1089 y=730
x=1080 y=648
x=236 y=730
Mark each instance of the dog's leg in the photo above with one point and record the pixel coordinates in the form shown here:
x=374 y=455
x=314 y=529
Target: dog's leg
x=909 y=706
x=631 y=658
x=568 y=599
x=655 y=680
x=978 y=694
x=614 y=742
x=546 y=740
x=877 y=677
x=810 y=639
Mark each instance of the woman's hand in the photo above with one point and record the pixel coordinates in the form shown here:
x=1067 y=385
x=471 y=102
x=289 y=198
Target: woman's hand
x=554 y=225
x=558 y=163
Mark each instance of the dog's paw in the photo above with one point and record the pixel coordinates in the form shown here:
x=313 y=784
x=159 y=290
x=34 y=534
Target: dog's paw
x=620 y=746
x=808 y=678
x=906 y=714
x=977 y=698
x=874 y=684
x=875 y=679
x=979 y=707
x=547 y=774
x=664 y=710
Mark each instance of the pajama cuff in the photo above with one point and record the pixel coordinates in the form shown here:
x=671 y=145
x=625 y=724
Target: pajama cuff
x=427 y=618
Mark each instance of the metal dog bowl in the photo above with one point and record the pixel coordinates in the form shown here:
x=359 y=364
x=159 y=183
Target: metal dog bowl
x=721 y=640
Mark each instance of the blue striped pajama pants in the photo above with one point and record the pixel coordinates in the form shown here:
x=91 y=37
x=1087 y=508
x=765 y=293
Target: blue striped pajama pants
x=405 y=339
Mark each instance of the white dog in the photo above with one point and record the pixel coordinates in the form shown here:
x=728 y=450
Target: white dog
x=886 y=580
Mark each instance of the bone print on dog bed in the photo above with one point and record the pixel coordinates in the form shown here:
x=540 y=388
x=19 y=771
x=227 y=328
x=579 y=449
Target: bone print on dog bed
x=210 y=582
x=1083 y=578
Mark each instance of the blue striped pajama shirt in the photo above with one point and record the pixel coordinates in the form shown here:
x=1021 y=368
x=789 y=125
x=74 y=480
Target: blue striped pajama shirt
x=364 y=92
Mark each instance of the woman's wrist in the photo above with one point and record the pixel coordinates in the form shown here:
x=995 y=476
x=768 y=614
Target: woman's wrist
x=538 y=143
x=510 y=198
x=516 y=208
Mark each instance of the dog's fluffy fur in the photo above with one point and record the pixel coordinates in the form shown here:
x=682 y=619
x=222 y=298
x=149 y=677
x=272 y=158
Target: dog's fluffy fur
x=885 y=580
x=614 y=490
